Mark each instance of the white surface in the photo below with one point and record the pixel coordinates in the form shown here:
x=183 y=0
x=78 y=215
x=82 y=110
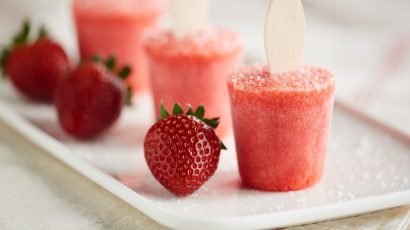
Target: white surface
x=285 y=35
x=367 y=169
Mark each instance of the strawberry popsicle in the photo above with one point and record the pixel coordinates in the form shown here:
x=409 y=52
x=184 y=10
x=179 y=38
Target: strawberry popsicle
x=281 y=125
x=193 y=69
x=107 y=27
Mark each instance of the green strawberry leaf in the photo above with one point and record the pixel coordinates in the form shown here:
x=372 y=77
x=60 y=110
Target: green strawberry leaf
x=3 y=57
x=223 y=147
x=211 y=122
x=22 y=36
x=110 y=63
x=124 y=72
x=163 y=112
x=129 y=96
x=177 y=110
x=199 y=113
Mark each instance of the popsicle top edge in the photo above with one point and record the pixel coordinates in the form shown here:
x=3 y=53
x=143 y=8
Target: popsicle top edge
x=209 y=42
x=259 y=79
x=110 y=8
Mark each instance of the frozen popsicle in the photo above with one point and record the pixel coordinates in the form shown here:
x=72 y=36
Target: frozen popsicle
x=281 y=125
x=281 y=111
x=107 y=27
x=190 y=64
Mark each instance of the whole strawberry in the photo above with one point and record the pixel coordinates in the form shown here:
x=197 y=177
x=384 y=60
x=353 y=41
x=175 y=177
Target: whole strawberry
x=36 y=67
x=182 y=150
x=90 y=99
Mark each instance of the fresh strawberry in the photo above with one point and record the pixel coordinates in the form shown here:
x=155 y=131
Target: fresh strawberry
x=182 y=150
x=36 y=67
x=90 y=99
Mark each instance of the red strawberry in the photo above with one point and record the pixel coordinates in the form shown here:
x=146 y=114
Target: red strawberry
x=90 y=99
x=182 y=151
x=35 y=68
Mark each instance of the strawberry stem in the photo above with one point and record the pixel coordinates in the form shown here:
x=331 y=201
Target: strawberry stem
x=199 y=113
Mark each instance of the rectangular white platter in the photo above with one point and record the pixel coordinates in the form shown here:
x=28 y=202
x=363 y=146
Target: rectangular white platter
x=367 y=169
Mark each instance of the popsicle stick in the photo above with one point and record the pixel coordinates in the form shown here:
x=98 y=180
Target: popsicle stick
x=188 y=16
x=285 y=35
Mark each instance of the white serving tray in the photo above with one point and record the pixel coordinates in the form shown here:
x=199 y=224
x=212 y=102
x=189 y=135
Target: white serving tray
x=368 y=169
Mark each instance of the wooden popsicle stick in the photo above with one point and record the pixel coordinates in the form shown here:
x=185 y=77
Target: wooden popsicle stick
x=188 y=16
x=285 y=35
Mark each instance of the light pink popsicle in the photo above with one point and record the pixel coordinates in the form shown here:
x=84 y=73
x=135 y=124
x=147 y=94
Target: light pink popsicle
x=194 y=69
x=106 y=27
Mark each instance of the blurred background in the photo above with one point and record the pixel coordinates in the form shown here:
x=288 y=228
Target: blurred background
x=366 y=43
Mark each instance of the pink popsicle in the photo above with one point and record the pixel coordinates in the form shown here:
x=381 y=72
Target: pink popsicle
x=106 y=27
x=281 y=125
x=193 y=69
